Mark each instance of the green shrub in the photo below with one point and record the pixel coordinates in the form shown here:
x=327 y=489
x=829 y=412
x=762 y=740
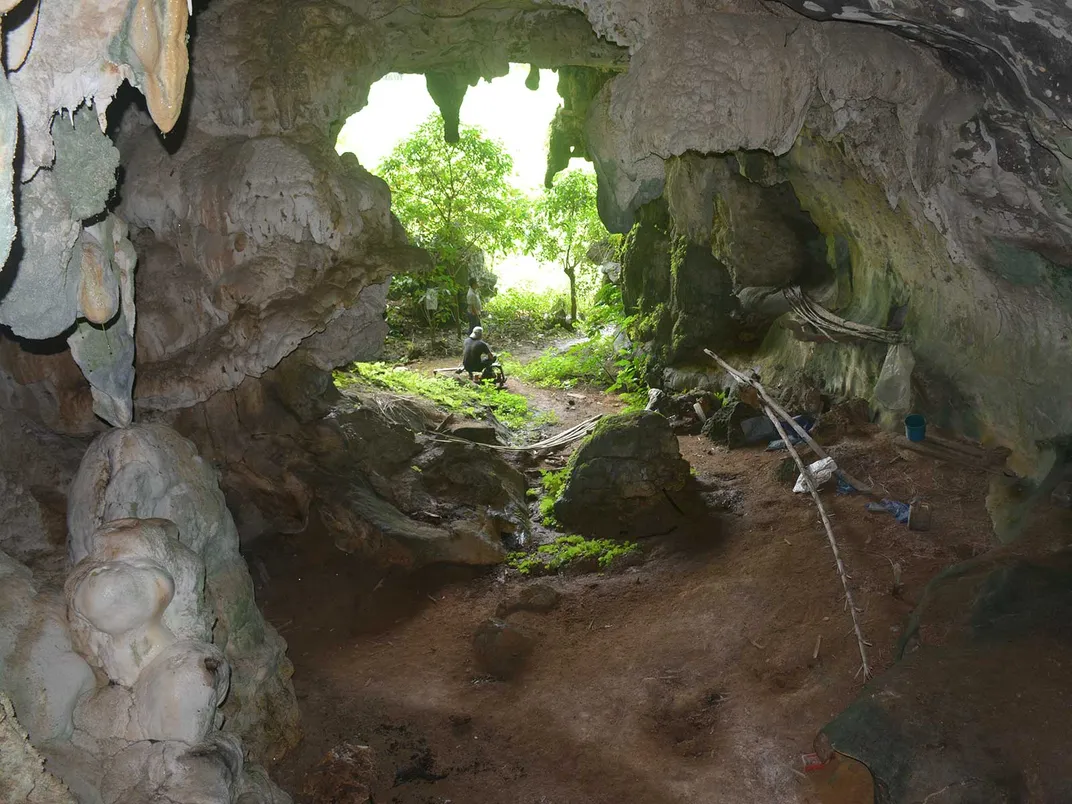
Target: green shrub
x=521 y=313
x=588 y=363
x=567 y=550
x=607 y=309
x=553 y=482
x=469 y=399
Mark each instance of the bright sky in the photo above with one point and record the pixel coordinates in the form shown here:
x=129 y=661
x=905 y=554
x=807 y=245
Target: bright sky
x=505 y=109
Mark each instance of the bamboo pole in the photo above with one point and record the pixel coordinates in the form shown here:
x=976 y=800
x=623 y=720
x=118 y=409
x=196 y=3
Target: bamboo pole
x=804 y=435
x=776 y=413
x=809 y=481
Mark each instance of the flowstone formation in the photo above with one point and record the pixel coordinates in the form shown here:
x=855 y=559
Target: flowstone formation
x=74 y=264
x=149 y=471
x=124 y=679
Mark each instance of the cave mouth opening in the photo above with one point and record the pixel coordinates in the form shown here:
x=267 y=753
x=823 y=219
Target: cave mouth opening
x=479 y=205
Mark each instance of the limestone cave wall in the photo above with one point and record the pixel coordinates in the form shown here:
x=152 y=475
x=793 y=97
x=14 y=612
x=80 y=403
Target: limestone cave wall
x=195 y=263
x=939 y=180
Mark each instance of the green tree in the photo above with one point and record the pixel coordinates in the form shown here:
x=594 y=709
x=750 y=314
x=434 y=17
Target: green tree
x=566 y=224
x=454 y=200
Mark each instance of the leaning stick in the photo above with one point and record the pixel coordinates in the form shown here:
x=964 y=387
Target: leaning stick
x=775 y=413
x=809 y=481
x=800 y=431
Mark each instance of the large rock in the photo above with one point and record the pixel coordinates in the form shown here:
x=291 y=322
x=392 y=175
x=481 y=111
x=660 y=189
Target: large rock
x=973 y=710
x=626 y=468
x=440 y=503
x=724 y=425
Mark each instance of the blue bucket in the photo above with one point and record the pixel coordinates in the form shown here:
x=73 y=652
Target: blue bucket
x=915 y=427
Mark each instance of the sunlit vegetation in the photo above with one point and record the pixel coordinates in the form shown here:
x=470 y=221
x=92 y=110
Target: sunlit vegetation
x=517 y=314
x=456 y=202
x=552 y=483
x=465 y=398
x=571 y=552
x=565 y=226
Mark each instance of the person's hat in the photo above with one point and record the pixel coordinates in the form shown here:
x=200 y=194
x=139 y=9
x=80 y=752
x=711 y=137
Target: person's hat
x=477 y=332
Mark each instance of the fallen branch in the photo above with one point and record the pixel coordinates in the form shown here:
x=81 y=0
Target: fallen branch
x=774 y=413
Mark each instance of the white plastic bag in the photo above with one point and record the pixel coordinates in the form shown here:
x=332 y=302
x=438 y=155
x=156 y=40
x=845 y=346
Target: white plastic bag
x=893 y=391
x=821 y=471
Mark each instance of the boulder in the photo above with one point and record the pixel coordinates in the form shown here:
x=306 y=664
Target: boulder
x=363 y=522
x=624 y=469
x=501 y=649
x=974 y=705
x=724 y=426
x=540 y=598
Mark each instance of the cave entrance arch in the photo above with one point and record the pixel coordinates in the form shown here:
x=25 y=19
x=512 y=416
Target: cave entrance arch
x=520 y=112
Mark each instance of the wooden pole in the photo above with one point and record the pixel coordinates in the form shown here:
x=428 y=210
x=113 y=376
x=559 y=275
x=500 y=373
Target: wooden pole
x=776 y=414
x=800 y=431
x=809 y=481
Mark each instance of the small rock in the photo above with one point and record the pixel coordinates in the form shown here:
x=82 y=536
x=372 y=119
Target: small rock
x=345 y=775
x=724 y=426
x=501 y=648
x=540 y=598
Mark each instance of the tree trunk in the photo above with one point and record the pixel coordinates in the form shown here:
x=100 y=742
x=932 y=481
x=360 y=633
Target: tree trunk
x=572 y=274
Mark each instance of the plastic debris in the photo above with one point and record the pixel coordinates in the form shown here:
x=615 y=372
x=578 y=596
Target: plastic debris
x=844 y=486
x=899 y=510
x=893 y=391
x=811 y=762
x=806 y=421
x=821 y=471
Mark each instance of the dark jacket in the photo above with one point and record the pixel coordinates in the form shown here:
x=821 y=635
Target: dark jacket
x=474 y=355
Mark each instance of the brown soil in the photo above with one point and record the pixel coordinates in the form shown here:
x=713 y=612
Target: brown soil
x=692 y=678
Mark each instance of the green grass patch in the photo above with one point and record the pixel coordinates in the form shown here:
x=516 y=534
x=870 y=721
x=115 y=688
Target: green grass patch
x=590 y=362
x=569 y=550
x=468 y=399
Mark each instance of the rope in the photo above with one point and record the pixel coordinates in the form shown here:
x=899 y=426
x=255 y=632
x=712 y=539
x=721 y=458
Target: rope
x=830 y=324
x=557 y=441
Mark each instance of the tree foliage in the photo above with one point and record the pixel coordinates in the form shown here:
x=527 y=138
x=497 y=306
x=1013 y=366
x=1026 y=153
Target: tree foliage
x=455 y=201
x=455 y=194
x=566 y=224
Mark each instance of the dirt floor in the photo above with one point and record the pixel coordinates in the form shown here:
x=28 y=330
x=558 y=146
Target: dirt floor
x=696 y=677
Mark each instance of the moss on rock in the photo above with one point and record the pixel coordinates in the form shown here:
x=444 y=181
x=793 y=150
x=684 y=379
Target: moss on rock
x=623 y=469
